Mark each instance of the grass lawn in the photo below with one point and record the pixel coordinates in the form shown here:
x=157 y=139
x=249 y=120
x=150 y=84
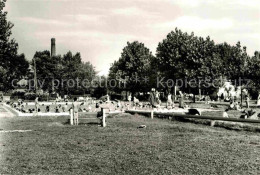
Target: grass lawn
x=163 y=147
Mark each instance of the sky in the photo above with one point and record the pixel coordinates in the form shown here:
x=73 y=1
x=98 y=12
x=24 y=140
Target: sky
x=100 y=29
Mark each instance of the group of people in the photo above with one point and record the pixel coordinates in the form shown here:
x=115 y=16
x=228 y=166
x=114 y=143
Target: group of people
x=155 y=101
x=154 y=98
x=234 y=104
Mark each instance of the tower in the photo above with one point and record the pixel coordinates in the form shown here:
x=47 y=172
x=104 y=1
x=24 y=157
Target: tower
x=53 y=47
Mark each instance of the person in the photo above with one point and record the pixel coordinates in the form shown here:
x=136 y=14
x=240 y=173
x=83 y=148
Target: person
x=75 y=108
x=118 y=104
x=136 y=101
x=237 y=106
x=232 y=105
x=152 y=98
x=247 y=101
x=107 y=98
x=65 y=107
x=225 y=114
x=181 y=102
x=36 y=105
x=157 y=97
x=169 y=100
x=57 y=109
x=129 y=98
x=258 y=101
x=47 y=109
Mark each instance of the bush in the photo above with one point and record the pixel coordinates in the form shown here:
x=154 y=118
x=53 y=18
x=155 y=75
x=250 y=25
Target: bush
x=32 y=96
x=17 y=95
x=29 y=96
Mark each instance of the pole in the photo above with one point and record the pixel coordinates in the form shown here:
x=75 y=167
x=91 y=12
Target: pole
x=35 y=77
x=104 y=117
x=241 y=97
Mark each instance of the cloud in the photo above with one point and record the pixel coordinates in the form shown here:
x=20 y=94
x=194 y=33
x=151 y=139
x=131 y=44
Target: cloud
x=243 y=3
x=196 y=23
x=44 y=21
x=99 y=29
x=128 y=11
x=85 y=17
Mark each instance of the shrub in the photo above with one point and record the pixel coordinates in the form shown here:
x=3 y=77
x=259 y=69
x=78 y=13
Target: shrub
x=17 y=95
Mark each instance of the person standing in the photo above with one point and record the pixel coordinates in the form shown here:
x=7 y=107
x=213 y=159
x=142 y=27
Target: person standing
x=129 y=98
x=152 y=98
x=75 y=108
x=157 y=97
x=169 y=100
x=247 y=101
x=181 y=100
x=258 y=101
x=36 y=105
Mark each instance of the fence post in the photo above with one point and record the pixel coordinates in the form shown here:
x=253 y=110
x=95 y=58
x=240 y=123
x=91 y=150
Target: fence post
x=71 y=117
x=152 y=114
x=103 y=117
x=212 y=122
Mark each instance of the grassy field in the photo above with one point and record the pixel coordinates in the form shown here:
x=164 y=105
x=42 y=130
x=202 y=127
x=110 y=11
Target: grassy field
x=163 y=147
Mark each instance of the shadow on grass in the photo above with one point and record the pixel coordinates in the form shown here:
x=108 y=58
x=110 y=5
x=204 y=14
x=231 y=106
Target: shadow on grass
x=82 y=123
x=221 y=124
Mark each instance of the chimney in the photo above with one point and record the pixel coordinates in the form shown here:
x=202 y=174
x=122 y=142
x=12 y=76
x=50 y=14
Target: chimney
x=53 y=47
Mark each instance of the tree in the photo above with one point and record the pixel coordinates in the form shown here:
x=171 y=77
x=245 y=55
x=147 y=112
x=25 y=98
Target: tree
x=234 y=60
x=12 y=65
x=185 y=57
x=47 y=69
x=253 y=74
x=63 y=74
x=132 y=72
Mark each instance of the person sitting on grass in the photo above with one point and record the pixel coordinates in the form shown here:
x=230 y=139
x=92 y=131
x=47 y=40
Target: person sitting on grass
x=31 y=110
x=47 y=109
x=97 y=105
x=140 y=105
x=238 y=106
x=118 y=105
x=89 y=108
x=65 y=107
x=22 y=109
x=225 y=114
x=232 y=105
x=57 y=109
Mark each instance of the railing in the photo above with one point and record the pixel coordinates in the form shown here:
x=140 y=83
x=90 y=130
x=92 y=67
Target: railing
x=172 y=114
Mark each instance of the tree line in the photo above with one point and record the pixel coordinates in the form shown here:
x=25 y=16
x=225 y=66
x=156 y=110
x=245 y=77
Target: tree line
x=179 y=56
x=199 y=61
